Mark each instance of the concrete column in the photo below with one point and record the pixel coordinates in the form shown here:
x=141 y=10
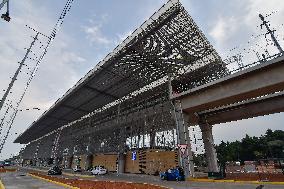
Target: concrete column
x=121 y=149
x=185 y=159
x=210 y=151
x=68 y=162
x=189 y=149
x=152 y=139
x=121 y=163
x=89 y=161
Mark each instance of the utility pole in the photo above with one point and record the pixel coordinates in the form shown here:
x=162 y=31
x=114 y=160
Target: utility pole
x=2 y=120
x=17 y=72
x=5 y=16
x=271 y=32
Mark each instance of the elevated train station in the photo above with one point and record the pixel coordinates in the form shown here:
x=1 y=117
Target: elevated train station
x=124 y=104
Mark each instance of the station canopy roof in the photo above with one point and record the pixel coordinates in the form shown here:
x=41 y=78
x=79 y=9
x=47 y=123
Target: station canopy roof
x=164 y=45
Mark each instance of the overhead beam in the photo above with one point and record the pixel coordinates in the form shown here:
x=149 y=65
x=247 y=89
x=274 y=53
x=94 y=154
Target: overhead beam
x=252 y=108
x=101 y=92
x=265 y=78
x=73 y=108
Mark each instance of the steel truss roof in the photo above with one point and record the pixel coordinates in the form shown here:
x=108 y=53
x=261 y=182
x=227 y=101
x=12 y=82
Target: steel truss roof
x=169 y=43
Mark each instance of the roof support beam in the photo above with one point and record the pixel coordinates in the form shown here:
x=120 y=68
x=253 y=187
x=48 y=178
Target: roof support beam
x=74 y=108
x=99 y=91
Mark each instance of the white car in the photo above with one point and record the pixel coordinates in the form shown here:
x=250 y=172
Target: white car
x=77 y=169
x=99 y=170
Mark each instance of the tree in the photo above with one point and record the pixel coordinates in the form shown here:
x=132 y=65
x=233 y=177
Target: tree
x=253 y=148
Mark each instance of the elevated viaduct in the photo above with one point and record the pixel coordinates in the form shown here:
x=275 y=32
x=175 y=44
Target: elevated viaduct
x=252 y=92
x=141 y=98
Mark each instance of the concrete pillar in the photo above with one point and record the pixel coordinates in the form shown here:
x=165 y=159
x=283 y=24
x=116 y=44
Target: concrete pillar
x=121 y=149
x=68 y=162
x=210 y=151
x=185 y=159
x=121 y=162
x=152 y=139
x=189 y=149
x=89 y=161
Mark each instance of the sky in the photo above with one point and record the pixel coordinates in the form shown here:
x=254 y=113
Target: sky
x=93 y=28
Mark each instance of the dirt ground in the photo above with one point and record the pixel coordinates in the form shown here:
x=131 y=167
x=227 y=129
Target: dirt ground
x=272 y=177
x=4 y=170
x=89 y=184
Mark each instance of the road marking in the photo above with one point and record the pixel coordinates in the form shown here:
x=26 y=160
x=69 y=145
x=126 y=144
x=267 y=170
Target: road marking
x=78 y=175
x=1 y=185
x=54 y=182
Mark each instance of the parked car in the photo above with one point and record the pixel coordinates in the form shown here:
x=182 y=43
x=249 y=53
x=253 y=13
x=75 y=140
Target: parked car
x=55 y=170
x=2 y=164
x=77 y=168
x=174 y=174
x=99 y=170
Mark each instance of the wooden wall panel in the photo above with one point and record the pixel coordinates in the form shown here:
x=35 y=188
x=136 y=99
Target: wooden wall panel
x=107 y=160
x=130 y=165
x=151 y=161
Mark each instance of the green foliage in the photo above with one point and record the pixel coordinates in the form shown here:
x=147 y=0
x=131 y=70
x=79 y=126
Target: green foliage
x=199 y=160
x=271 y=145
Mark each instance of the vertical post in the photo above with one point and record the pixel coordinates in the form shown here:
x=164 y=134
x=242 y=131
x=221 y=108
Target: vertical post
x=2 y=120
x=121 y=146
x=208 y=141
x=185 y=157
x=271 y=32
x=3 y=3
x=17 y=72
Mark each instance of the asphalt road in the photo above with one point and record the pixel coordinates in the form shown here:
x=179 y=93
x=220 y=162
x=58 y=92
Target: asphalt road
x=182 y=184
x=19 y=180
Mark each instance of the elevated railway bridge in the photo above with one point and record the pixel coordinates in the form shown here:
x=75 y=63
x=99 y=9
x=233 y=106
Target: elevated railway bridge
x=143 y=96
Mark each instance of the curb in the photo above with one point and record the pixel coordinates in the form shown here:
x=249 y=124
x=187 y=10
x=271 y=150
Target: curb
x=78 y=175
x=54 y=182
x=235 y=181
x=2 y=185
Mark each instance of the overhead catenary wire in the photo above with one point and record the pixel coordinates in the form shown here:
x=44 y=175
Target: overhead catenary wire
x=52 y=36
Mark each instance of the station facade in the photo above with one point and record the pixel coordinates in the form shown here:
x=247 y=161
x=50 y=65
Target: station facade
x=120 y=114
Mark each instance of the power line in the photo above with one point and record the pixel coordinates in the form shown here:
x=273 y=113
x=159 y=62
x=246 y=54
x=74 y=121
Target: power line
x=17 y=72
x=52 y=36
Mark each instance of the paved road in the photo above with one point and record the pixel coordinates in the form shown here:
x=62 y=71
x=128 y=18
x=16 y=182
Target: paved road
x=23 y=181
x=182 y=185
x=19 y=180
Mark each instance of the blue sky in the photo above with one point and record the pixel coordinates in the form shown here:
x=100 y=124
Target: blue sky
x=94 y=27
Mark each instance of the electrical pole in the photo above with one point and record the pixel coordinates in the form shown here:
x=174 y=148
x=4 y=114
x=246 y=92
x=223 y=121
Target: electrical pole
x=3 y=3
x=17 y=72
x=2 y=120
x=5 y=16
x=271 y=32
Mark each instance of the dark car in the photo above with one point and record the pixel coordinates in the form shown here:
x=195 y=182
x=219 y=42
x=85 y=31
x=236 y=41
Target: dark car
x=175 y=174
x=55 y=170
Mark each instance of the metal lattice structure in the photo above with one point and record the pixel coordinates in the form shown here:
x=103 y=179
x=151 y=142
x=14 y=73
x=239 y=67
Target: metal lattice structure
x=124 y=100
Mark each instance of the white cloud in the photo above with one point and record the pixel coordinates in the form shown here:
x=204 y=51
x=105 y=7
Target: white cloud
x=94 y=31
x=223 y=29
x=95 y=35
